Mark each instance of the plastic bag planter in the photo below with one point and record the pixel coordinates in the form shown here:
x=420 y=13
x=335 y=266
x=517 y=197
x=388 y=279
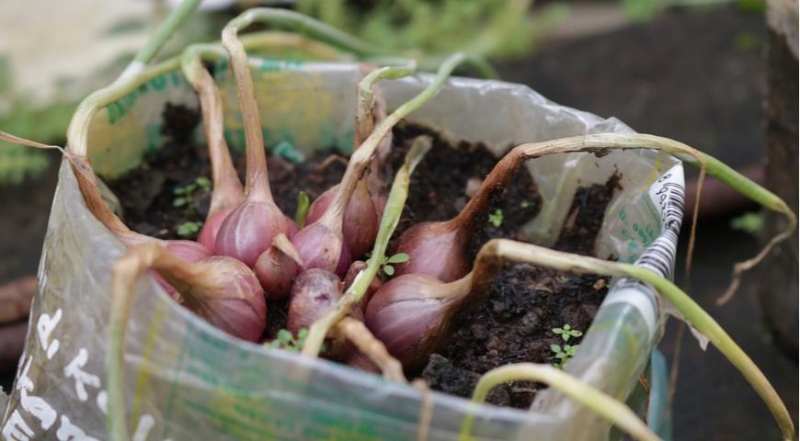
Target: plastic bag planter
x=185 y=378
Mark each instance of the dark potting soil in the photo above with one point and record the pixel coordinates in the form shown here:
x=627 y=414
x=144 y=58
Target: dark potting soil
x=525 y=303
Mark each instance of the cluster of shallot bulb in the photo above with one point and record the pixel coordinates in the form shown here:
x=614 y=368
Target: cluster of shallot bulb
x=249 y=250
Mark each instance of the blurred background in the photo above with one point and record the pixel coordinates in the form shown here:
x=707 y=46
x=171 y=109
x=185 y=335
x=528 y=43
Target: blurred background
x=719 y=75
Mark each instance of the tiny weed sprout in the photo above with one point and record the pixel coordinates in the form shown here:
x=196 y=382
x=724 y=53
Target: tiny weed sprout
x=563 y=353
x=189 y=228
x=188 y=196
x=750 y=223
x=566 y=332
x=286 y=340
x=496 y=218
x=301 y=214
x=387 y=267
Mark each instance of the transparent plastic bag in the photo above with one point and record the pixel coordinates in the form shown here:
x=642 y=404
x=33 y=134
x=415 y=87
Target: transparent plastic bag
x=185 y=378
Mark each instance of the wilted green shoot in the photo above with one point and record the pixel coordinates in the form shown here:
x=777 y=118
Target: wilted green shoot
x=607 y=407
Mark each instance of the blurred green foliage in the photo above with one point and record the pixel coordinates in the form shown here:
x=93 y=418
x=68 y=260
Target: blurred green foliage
x=496 y=28
x=646 y=10
x=750 y=223
x=23 y=120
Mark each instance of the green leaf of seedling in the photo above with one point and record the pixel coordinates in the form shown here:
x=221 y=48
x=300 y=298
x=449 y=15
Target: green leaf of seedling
x=203 y=182
x=389 y=270
x=188 y=228
x=301 y=214
x=398 y=258
x=286 y=150
x=179 y=202
x=496 y=218
x=556 y=349
x=750 y=223
x=285 y=336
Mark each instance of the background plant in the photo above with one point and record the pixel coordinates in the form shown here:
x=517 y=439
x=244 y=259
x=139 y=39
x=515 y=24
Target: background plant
x=498 y=28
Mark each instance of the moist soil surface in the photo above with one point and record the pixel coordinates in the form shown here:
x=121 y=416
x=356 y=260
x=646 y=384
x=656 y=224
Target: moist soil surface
x=515 y=323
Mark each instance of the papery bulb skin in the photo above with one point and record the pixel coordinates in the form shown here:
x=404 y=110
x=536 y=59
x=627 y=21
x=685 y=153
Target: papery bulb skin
x=321 y=247
x=183 y=249
x=314 y=293
x=249 y=230
x=208 y=235
x=436 y=249
x=344 y=262
x=360 y=226
x=276 y=272
x=410 y=313
x=187 y=250
x=227 y=294
x=320 y=205
x=380 y=205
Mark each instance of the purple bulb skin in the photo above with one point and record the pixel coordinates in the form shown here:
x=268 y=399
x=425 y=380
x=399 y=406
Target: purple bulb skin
x=409 y=314
x=434 y=249
x=249 y=230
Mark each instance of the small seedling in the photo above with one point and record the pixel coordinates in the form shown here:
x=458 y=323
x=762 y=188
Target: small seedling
x=303 y=204
x=563 y=353
x=189 y=228
x=750 y=223
x=286 y=151
x=525 y=204
x=496 y=218
x=187 y=196
x=566 y=332
x=388 y=269
x=286 y=340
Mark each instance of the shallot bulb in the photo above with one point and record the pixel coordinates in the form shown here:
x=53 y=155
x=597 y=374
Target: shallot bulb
x=277 y=267
x=410 y=314
x=221 y=290
x=439 y=249
x=314 y=293
x=436 y=249
x=249 y=229
x=227 y=191
x=321 y=245
x=360 y=219
x=183 y=249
